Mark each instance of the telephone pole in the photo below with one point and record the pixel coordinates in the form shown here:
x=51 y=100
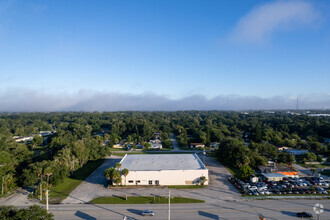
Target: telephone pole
x=3 y=179
x=47 y=200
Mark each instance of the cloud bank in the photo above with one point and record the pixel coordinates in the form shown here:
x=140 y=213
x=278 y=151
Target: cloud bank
x=14 y=100
x=266 y=19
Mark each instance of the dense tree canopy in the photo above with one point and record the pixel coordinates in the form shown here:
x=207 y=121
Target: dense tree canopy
x=244 y=138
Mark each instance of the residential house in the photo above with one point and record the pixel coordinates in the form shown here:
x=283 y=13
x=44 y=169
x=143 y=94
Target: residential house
x=197 y=145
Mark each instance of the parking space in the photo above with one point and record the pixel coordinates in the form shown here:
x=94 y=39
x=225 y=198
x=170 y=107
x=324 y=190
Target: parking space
x=303 y=185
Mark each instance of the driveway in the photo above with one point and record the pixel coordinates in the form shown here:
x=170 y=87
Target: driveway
x=307 y=171
x=19 y=198
x=219 y=188
x=94 y=185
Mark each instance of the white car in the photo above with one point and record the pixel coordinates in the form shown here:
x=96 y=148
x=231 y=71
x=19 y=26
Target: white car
x=147 y=212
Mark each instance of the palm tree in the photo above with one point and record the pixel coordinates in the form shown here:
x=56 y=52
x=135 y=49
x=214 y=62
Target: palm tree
x=40 y=174
x=109 y=173
x=118 y=166
x=48 y=173
x=202 y=180
x=313 y=171
x=116 y=177
x=125 y=173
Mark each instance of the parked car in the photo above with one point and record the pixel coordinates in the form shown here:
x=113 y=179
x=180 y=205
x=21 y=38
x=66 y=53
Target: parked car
x=147 y=213
x=304 y=215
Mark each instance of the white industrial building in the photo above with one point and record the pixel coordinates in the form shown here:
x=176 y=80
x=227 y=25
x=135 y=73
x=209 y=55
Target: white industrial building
x=163 y=169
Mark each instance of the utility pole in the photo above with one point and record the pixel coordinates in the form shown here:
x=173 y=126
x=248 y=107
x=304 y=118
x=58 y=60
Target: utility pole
x=3 y=179
x=47 y=199
x=204 y=156
x=169 y=205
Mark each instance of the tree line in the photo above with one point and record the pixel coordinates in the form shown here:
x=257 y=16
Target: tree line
x=245 y=139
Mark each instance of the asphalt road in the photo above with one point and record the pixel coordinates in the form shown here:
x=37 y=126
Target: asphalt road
x=248 y=209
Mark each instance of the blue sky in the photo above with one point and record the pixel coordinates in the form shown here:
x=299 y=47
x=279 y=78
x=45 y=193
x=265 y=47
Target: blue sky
x=72 y=52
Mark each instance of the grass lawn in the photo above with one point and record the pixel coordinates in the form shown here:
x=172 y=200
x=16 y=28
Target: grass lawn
x=310 y=166
x=234 y=171
x=62 y=190
x=325 y=172
x=143 y=200
x=187 y=186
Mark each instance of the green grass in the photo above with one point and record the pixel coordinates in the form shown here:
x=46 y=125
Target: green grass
x=143 y=200
x=310 y=166
x=59 y=192
x=187 y=186
x=325 y=172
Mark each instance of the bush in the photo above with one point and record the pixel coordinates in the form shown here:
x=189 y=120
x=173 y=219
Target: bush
x=34 y=212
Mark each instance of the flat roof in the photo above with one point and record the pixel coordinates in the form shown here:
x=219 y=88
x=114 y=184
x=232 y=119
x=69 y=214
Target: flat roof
x=157 y=162
x=273 y=175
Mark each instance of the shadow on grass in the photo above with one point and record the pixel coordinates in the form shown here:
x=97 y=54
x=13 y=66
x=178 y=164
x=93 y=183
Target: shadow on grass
x=86 y=170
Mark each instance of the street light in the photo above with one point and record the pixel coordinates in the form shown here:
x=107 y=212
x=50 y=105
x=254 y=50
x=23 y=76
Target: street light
x=204 y=156
x=169 y=205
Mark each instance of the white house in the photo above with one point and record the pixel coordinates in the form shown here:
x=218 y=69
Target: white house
x=197 y=145
x=156 y=144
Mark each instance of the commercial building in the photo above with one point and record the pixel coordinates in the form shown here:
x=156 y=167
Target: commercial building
x=273 y=176
x=163 y=169
x=285 y=170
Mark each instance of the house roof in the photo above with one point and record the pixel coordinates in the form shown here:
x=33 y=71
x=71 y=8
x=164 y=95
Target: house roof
x=277 y=168
x=270 y=175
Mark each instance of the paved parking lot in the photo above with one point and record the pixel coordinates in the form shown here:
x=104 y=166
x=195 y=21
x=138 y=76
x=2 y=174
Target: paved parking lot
x=219 y=188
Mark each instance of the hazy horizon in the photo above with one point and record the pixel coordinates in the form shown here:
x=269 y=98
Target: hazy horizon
x=164 y=55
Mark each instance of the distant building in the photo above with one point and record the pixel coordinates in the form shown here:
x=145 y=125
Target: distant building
x=156 y=144
x=23 y=139
x=118 y=146
x=283 y=148
x=285 y=170
x=296 y=151
x=273 y=176
x=45 y=133
x=197 y=145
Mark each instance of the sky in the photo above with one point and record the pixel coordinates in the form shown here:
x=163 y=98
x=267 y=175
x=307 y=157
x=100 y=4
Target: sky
x=164 y=55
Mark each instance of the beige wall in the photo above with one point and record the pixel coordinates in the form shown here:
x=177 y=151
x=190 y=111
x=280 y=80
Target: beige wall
x=166 y=177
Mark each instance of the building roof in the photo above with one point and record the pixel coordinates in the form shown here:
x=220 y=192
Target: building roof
x=275 y=169
x=272 y=175
x=157 y=162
